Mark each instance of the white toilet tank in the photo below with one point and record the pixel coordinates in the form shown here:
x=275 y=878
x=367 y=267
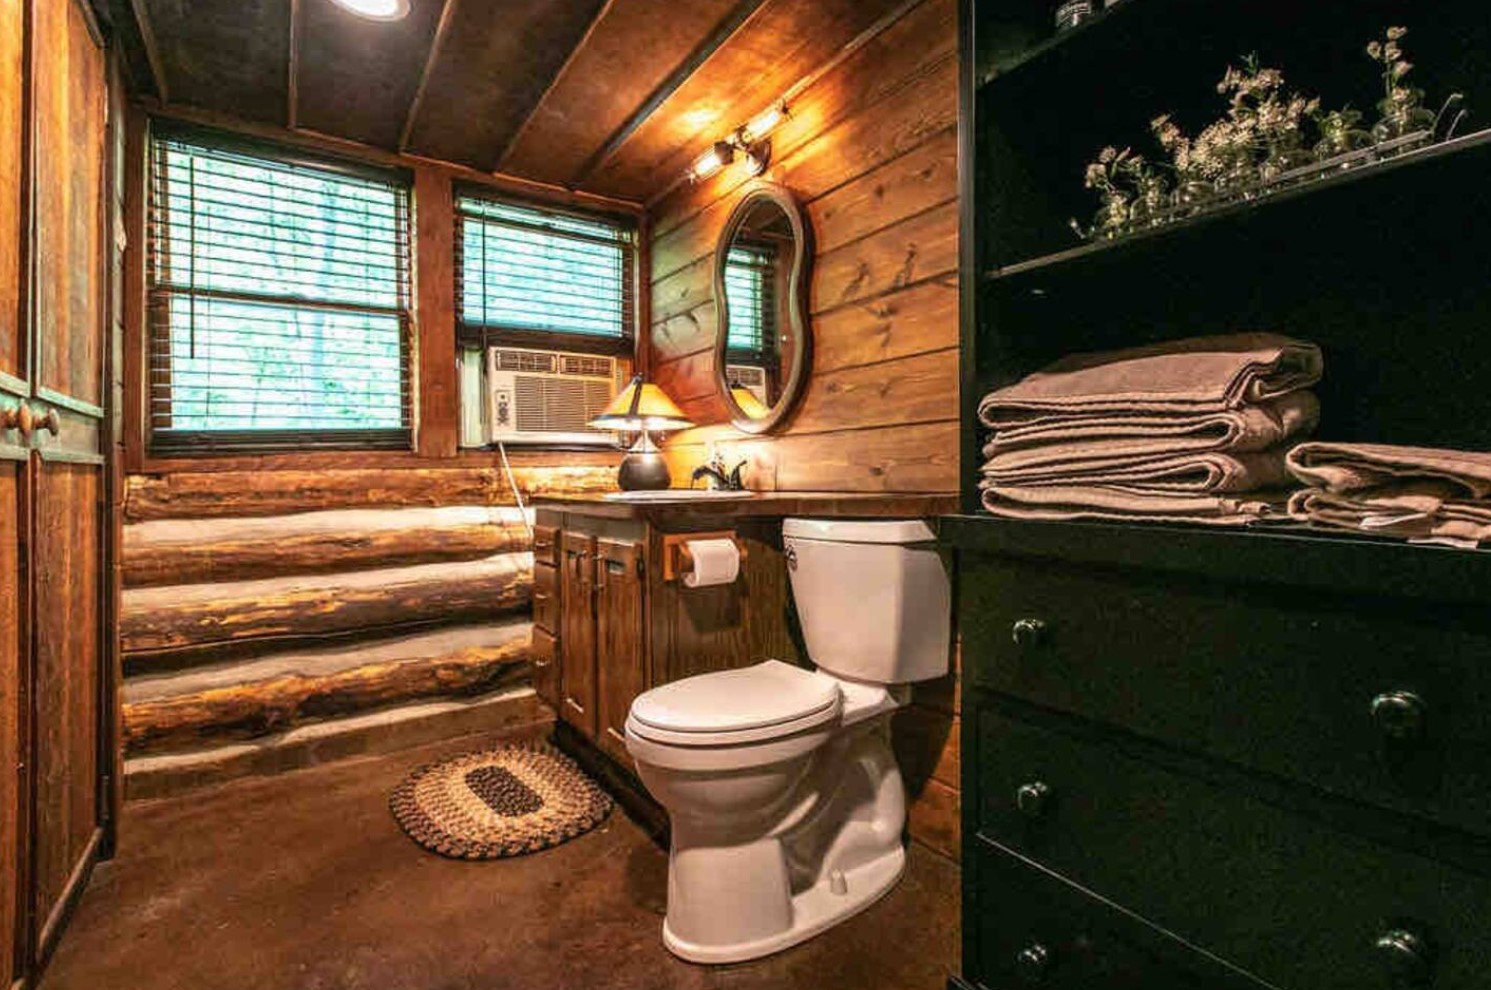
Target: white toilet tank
x=873 y=597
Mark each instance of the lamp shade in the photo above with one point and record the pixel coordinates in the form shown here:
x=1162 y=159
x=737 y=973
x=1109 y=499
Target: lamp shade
x=641 y=406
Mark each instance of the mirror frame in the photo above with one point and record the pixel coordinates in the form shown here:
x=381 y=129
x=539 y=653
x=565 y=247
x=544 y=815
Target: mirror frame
x=797 y=301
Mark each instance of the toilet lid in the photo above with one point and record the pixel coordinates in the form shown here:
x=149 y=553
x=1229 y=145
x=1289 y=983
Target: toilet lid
x=732 y=701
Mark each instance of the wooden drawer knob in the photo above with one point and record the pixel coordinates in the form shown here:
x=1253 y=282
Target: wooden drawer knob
x=1407 y=956
x=1028 y=632
x=1400 y=715
x=1032 y=963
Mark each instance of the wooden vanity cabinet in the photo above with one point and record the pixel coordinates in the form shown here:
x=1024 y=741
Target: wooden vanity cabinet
x=615 y=627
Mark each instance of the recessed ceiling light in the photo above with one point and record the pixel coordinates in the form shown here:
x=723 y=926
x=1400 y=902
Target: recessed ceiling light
x=377 y=10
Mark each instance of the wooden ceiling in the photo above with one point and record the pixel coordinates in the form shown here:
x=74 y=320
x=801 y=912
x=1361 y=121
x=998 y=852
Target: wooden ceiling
x=612 y=97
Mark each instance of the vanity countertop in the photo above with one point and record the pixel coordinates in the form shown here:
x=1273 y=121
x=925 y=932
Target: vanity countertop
x=760 y=505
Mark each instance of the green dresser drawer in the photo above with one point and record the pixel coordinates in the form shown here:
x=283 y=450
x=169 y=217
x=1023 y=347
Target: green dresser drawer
x=1287 y=898
x=1035 y=929
x=1385 y=702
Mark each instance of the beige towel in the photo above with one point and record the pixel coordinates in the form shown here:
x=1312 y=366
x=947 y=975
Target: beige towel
x=1416 y=493
x=1354 y=467
x=1200 y=374
x=1072 y=440
x=1208 y=471
x=1130 y=504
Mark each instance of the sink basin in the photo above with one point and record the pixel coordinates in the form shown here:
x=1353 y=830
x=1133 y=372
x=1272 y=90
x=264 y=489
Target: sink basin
x=679 y=495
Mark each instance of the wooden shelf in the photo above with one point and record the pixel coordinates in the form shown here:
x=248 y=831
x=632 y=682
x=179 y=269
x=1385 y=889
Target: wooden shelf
x=1287 y=555
x=1461 y=163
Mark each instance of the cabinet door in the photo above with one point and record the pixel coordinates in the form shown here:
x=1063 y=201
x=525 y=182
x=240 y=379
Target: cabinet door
x=620 y=654
x=69 y=91
x=13 y=600
x=577 y=637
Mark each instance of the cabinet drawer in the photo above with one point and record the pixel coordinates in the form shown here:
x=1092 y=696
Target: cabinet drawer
x=546 y=597
x=1032 y=928
x=1281 y=895
x=545 y=545
x=1375 y=701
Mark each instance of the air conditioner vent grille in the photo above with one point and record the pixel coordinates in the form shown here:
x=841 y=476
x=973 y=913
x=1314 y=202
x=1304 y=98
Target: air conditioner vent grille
x=539 y=361
x=589 y=367
x=557 y=405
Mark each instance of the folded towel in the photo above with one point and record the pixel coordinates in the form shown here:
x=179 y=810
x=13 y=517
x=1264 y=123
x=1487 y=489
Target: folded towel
x=1073 y=439
x=1207 y=471
x=1130 y=504
x=1201 y=374
x=1417 y=493
x=1354 y=467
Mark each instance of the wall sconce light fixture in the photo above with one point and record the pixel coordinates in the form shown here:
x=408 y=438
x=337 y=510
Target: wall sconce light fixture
x=750 y=144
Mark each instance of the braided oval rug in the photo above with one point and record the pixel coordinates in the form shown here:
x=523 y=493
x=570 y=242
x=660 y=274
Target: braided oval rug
x=499 y=802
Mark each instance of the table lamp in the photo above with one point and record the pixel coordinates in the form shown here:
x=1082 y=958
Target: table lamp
x=641 y=408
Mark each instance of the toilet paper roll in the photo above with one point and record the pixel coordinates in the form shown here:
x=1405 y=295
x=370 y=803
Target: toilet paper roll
x=715 y=562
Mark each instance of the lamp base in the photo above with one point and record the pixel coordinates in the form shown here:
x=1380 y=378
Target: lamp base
x=643 y=468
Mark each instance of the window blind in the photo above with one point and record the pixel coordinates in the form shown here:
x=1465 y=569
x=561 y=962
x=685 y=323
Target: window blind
x=278 y=299
x=537 y=277
x=750 y=288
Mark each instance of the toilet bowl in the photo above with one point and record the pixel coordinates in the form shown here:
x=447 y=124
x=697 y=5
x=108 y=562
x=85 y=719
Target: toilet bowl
x=786 y=803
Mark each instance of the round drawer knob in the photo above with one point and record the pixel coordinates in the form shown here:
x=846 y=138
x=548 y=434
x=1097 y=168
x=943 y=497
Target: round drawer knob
x=1033 y=799
x=1406 y=955
x=1033 y=962
x=1028 y=632
x=1400 y=714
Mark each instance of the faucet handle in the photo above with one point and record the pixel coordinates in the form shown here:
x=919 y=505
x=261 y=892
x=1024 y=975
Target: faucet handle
x=737 y=479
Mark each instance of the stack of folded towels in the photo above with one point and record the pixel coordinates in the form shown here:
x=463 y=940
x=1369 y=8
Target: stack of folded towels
x=1419 y=493
x=1191 y=430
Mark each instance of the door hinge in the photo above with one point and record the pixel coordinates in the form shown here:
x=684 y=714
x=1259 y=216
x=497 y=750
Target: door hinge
x=106 y=798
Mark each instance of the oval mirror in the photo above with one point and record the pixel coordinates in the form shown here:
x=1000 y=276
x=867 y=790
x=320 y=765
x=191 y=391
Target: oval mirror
x=761 y=294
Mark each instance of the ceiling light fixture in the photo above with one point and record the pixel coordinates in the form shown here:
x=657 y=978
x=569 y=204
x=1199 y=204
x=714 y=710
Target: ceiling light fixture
x=376 y=10
x=749 y=143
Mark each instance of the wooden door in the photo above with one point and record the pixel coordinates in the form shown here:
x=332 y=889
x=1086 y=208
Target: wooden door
x=15 y=456
x=620 y=650
x=68 y=157
x=577 y=637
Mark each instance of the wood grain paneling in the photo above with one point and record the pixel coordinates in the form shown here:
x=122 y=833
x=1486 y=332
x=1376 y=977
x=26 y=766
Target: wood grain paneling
x=69 y=106
x=211 y=617
x=68 y=564
x=435 y=283
x=352 y=72
x=196 y=551
x=590 y=100
x=495 y=64
x=13 y=601
x=259 y=708
x=620 y=646
x=781 y=43
x=879 y=182
x=12 y=130
x=220 y=495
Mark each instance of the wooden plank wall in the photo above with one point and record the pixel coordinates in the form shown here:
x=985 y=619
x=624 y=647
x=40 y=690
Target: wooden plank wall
x=871 y=152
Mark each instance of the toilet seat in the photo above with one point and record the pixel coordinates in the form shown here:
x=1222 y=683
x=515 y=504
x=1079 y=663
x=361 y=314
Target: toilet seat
x=771 y=700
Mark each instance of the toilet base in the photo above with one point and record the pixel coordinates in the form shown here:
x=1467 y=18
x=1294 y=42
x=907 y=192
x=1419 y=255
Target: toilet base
x=813 y=910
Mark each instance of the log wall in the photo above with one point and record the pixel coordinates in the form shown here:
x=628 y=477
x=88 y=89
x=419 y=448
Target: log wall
x=870 y=151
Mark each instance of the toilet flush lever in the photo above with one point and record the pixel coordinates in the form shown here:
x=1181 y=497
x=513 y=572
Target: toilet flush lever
x=791 y=557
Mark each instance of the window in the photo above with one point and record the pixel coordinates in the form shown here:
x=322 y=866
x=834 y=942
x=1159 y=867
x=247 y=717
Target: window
x=278 y=298
x=541 y=278
x=750 y=288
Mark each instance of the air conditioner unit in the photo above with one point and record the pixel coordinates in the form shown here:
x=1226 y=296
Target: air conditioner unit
x=749 y=377
x=547 y=396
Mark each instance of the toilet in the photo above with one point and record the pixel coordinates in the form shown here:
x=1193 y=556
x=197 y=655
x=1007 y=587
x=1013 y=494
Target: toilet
x=786 y=803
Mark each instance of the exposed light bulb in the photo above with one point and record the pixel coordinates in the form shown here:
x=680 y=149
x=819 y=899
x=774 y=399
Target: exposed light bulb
x=720 y=154
x=376 y=10
x=763 y=123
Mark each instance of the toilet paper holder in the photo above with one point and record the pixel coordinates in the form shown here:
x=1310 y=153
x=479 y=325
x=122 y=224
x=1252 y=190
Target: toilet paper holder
x=678 y=561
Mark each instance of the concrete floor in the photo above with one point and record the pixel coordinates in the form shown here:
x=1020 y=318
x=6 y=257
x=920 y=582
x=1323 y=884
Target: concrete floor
x=304 y=881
